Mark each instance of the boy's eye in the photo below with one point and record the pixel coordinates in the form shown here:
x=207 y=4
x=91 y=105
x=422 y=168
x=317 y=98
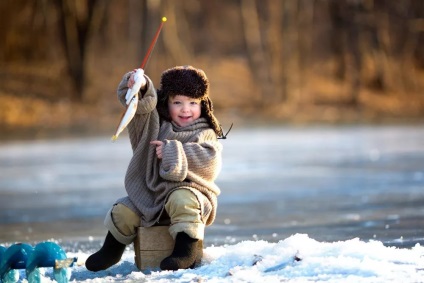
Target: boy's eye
x=194 y=103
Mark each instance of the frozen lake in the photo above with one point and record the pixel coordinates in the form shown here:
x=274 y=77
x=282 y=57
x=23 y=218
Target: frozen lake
x=332 y=183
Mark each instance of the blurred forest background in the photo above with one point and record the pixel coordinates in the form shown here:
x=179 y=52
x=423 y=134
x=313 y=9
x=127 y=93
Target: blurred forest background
x=282 y=61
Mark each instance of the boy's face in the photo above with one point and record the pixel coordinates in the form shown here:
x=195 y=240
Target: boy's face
x=183 y=109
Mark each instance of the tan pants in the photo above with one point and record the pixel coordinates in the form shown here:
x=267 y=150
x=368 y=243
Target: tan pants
x=182 y=207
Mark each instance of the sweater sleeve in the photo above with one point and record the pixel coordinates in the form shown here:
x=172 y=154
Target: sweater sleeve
x=147 y=99
x=199 y=160
x=122 y=88
x=145 y=106
x=204 y=159
x=174 y=163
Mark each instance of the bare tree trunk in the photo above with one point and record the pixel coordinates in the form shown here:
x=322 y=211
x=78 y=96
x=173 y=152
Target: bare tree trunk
x=175 y=48
x=377 y=54
x=419 y=51
x=345 y=19
x=355 y=63
x=409 y=72
x=338 y=38
x=210 y=23
x=256 y=54
x=386 y=43
x=381 y=50
x=78 y=19
x=305 y=27
x=292 y=55
x=137 y=30
x=276 y=46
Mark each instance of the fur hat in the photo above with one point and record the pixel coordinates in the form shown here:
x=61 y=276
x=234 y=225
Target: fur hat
x=191 y=82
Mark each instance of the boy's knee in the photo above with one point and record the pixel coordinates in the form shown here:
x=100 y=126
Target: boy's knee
x=125 y=220
x=183 y=206
x=183 y=198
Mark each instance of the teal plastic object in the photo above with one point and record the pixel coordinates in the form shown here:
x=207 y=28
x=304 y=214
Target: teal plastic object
x=2 y=250
x=14 y=257
x=48 y=254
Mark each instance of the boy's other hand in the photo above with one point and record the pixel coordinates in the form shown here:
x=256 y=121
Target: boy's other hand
x=159 y=145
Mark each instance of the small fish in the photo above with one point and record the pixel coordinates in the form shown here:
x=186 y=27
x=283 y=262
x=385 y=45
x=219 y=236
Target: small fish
x=131 y=99
x=127 y=117
x=138 y=81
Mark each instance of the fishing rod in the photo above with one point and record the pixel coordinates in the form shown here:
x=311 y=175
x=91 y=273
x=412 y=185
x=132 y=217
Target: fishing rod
x=152 y=44
x=132 y=93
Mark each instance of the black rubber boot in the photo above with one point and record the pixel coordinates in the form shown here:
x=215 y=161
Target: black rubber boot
x=108 y=255
x=187 y=253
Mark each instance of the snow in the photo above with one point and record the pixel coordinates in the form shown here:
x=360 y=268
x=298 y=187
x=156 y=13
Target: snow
x=297 y=258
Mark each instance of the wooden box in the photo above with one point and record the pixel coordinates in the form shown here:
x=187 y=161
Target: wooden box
x=151 y=246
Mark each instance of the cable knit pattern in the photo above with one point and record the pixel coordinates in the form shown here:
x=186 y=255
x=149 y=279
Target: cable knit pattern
x=191 y=160
x=174 y=163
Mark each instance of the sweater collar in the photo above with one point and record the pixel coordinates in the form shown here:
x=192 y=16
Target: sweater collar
x=200 y=123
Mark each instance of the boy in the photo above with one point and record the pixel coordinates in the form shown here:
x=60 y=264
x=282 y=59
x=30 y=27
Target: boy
x=171 y=177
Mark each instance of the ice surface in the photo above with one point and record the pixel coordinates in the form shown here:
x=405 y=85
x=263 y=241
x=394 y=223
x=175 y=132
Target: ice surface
x=357 y=192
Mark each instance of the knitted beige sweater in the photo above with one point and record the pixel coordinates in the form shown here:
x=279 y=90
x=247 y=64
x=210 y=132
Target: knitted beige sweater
x=191 y=160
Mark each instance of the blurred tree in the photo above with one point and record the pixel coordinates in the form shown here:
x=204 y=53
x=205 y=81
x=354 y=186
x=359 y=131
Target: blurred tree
x=79 y=21
x=412 y=15
x=23 y=34
x=291 y=50
x=345 y=18
x=297 y=51
x=176 y=48
x=276 y=46
x=254 y=39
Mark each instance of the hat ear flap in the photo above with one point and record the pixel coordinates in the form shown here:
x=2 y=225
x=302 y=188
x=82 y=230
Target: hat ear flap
x=162 y=105
x=208 y=103
x=208 y=114
x=207 y=108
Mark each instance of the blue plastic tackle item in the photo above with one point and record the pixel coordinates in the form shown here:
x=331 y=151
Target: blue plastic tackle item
x=14 y=257
x=2 y=250
x=49 y=254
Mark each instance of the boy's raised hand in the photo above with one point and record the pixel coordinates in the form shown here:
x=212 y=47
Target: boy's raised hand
x=135 y=82
x=159 y=145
